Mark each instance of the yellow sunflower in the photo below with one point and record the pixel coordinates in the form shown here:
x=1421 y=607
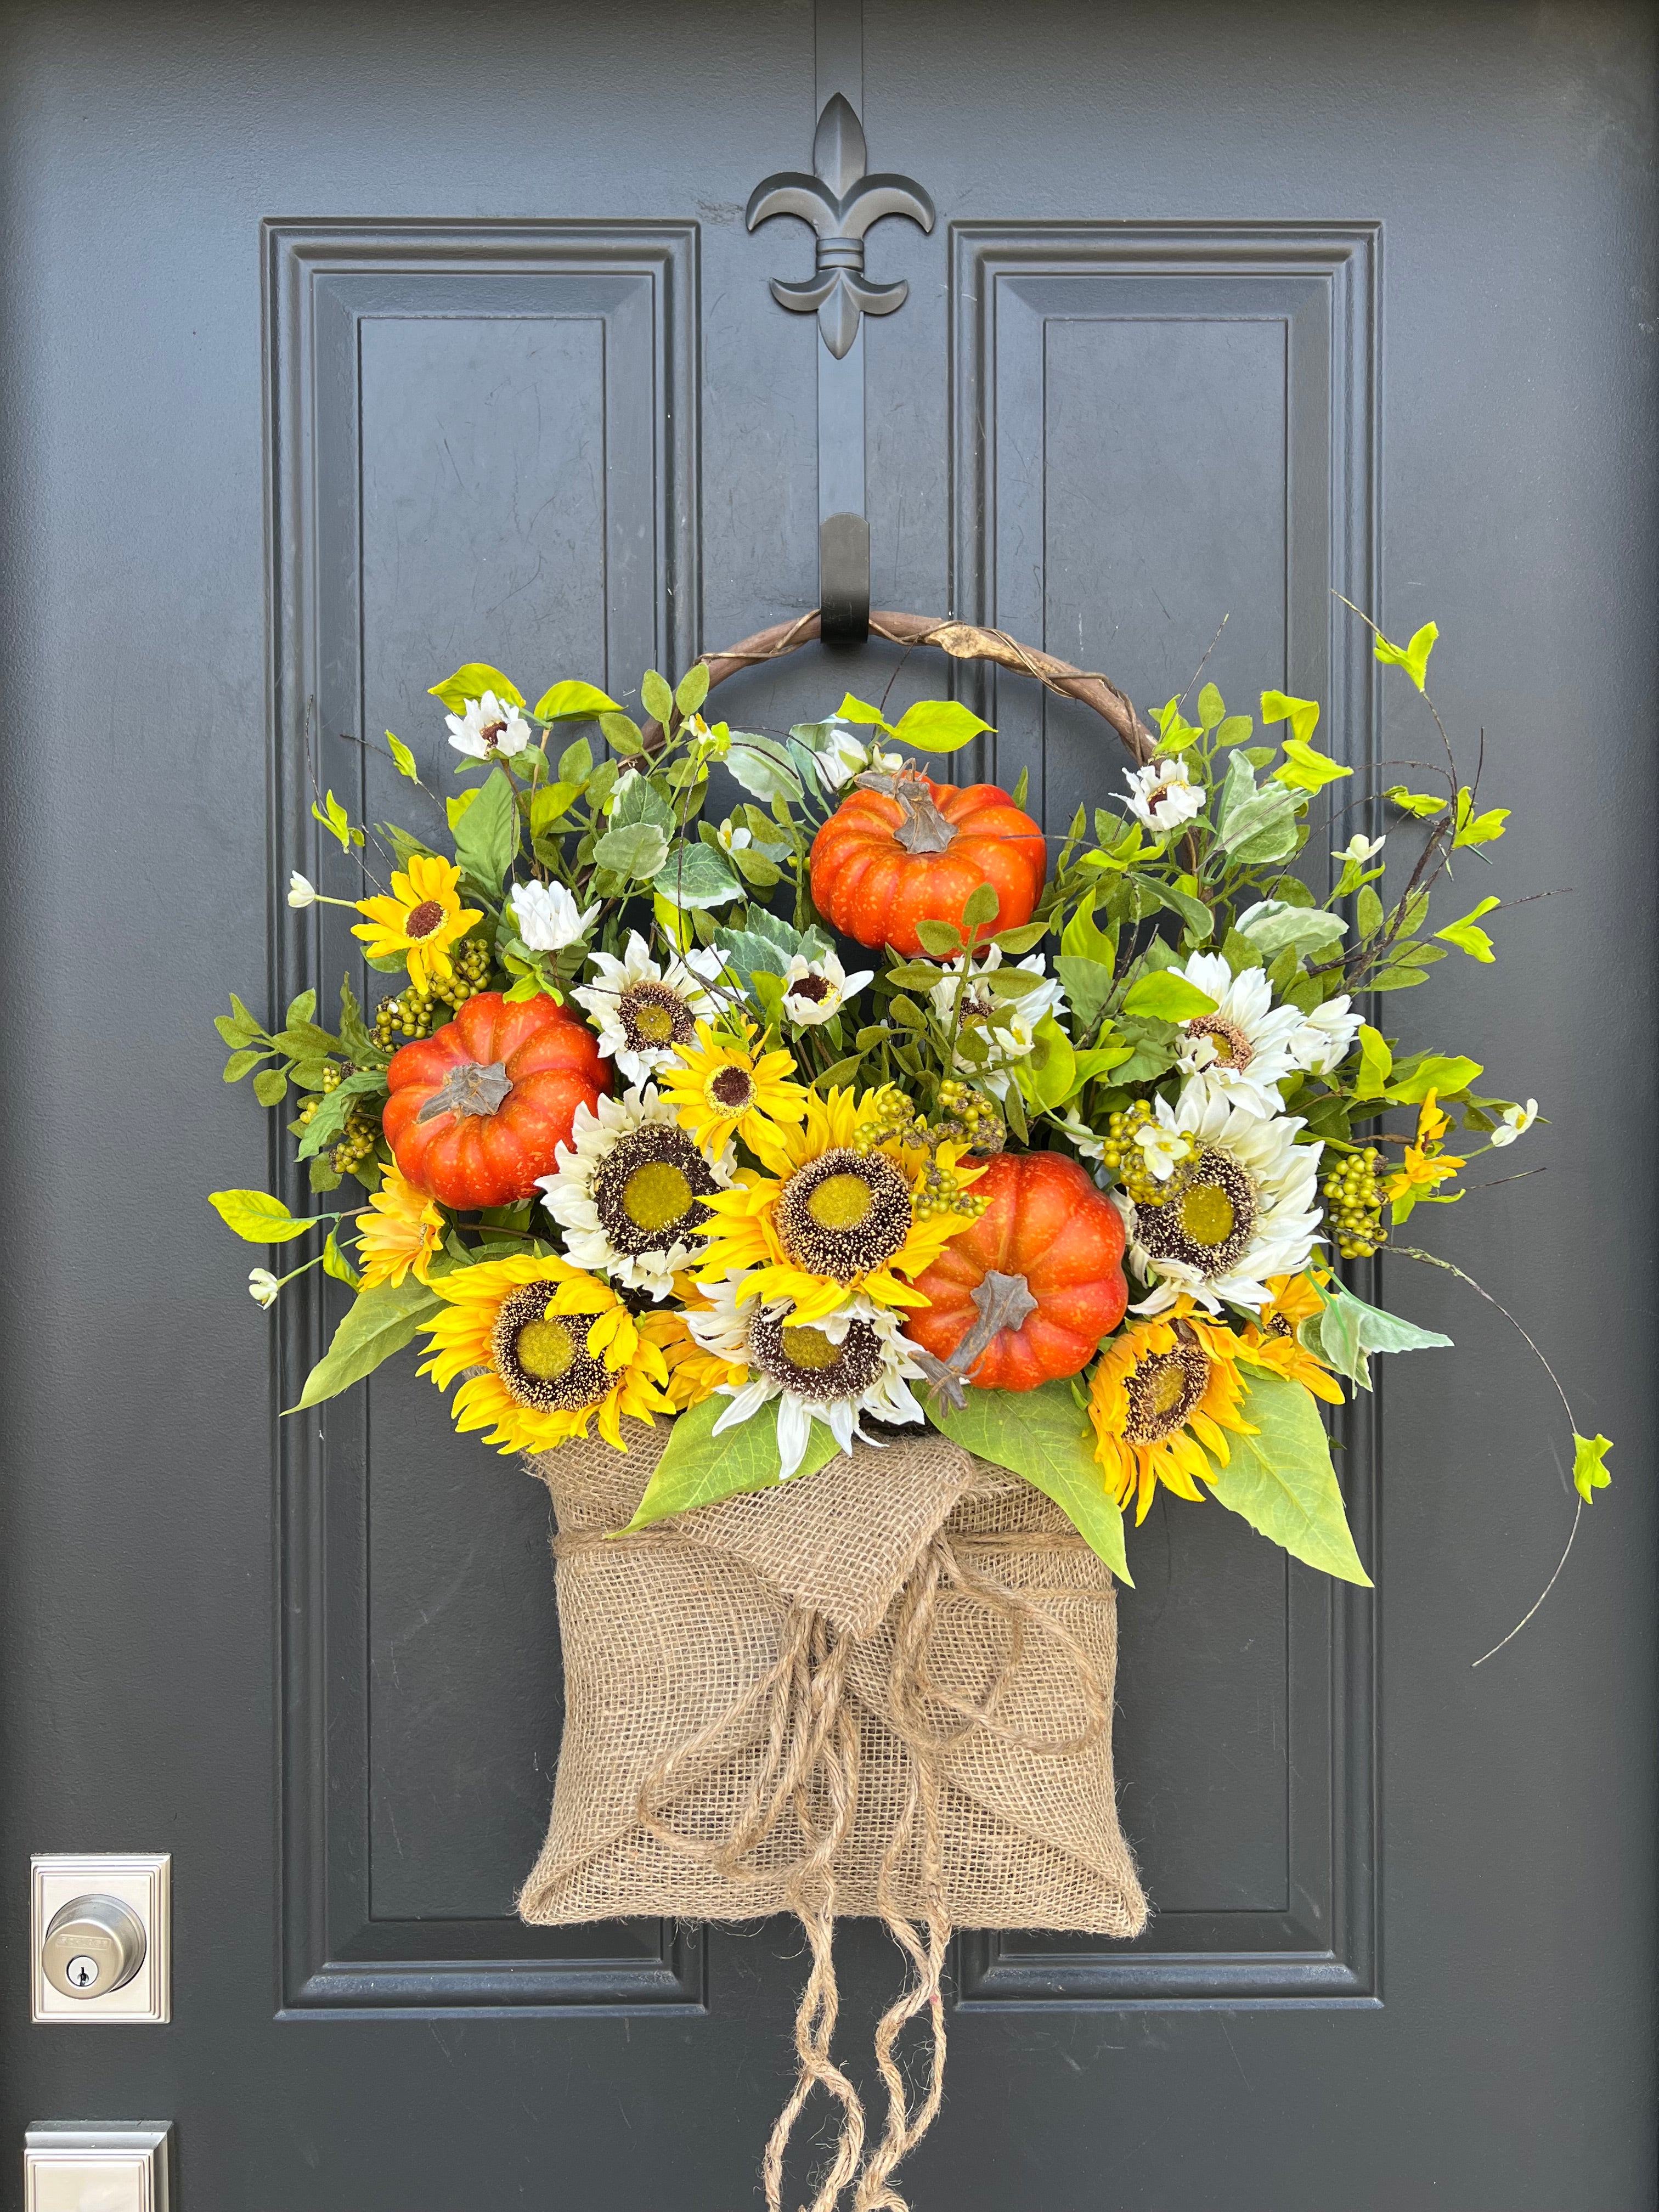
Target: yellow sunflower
x=693 y=1373
x=722 y=1089
x=555 y=1348
x=1166 y=1391
x=400 y=1233
x=1273 y=1343
x=841 y=1211
x=419 y=921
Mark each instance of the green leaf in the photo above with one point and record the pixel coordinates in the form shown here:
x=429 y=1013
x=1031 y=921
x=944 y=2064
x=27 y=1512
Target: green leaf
x=1422 y=804
x=573 y=702
x=258 y=1217
x=656 y=697
x=335 y=1263
x=638 y=799
x=1302 y=715
x=1304 y=768
x=1281 y=1480
x=638 y=850
x=1413 y=658
x=1083 y=935
x=1236 y=730
x=1589 y=1471
x=576 y=761
x=379 y=1323
x=693 y=688
x=1013 y=942
x=270 y=1086
x=700 y=1468
x=696 y=875
x=1253 y=826
x=859 y=710
x=942 y=939
x=1041 y=1435
x=982 y=905
x=238 y=1064
x=938 y=725
x=1430 y=1071
x=487 y=834
x=327 y=1125
x=403 y=758
x=1212 y=707
x=1375 y=1064
x=763 y=768
x=470 y=681
x=1193 y=911
x=550 y=804
x=1474 y=828
x=1167 y=998
x=1368 y=913
x=1088 y=986
x=1348 y=1331
x=622 y=734
x=1275 y=925
x=1467 y=939
x=1047 y=1074
x=355 y=1035
x=335 y=819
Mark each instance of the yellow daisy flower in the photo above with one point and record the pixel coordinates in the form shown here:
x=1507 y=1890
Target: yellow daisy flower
x=419 y=921
x=838 y=1212
x=1166 y=1391
x=720 y=1089
x=401 y=1232
x=1274 y=1342
x=693 y=1373
x=556 y=1347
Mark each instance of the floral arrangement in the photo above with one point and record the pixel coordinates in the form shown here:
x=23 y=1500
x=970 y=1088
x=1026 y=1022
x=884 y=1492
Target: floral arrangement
x=766 y=1084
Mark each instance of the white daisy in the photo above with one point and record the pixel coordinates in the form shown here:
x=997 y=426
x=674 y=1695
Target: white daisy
x=1326 y=1036
x=854 y=1363
x=548 y=916
x=1248 y=1210
x=489 y=725
x=628 y=1191
x=1018 y=1019
x=813 y=990
x=1517 y=1120
x=643 y=1013
x=1244 y=1049
x=1163 y=795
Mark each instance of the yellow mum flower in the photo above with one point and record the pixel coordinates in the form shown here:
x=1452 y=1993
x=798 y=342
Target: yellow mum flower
x=1165 y=1392
x=401 y=1232
x=419 y=921
x=556 y=1347
x=837 y=1213
x=1274 y=1344
x=720 y=1089
x=693 y=1373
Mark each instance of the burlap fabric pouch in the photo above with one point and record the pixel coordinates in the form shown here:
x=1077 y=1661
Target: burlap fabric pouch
x=883 y=1690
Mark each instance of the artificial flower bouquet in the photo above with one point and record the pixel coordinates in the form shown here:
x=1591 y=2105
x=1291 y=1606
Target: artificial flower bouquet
x=943 y=1189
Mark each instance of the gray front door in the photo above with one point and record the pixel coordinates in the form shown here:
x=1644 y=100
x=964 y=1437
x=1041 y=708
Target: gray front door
x=341 y=345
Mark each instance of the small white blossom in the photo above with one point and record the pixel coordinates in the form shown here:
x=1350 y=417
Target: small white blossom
x=1163 y=795
x=1518 y=1119
x=549 y=917
x=846 y=756
x=1073 y=1125
x=813 y=990
x=263 y=1286
x=488 y=726
x=1360 y=850
x=1165 y=1149
x=301 y=891
x=1326 y=1036
x=733 y=839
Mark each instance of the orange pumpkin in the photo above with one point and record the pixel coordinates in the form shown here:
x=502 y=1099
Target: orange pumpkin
x=882 y=863
x=1047 y=1222
x=479 y=1109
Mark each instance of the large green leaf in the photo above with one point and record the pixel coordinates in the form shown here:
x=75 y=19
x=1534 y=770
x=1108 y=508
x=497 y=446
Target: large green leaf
x=700 y=1468
x=1349 y=1331
x=470 y=681
x=257 y=1217
x=487 y=834
x=377 y=1323
x=938 y=725
x=695 y=875
x=638 y=799
x=570 y=702
x=1281 y=1480
x=639 y=849
x=1041 y=1435
x=1167 y=998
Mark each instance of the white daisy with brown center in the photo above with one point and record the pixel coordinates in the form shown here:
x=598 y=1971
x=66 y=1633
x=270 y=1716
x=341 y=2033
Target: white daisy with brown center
x=645 y=1012
x=1246 y=1048
x=849 y=1364
x=629 y=1191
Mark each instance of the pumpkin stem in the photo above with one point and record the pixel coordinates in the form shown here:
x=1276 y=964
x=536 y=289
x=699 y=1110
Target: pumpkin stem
x=470 y=1089
x=921 y=827
x=1001 y=1302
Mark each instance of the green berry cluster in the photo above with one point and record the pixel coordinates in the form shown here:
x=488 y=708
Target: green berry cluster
x=419 y=1009
x=362 y=1131
x=969 y=1120
x=939 y=1191
x=1353 y=1202
x=1127 y=1160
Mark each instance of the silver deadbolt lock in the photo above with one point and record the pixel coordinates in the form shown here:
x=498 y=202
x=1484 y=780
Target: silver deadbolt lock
x=94 y=1945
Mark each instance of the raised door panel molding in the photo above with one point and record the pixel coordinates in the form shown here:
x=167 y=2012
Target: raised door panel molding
x=482 y=447
x=1157 y=426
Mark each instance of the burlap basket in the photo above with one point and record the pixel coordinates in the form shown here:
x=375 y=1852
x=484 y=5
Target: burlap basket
x=883 y=1690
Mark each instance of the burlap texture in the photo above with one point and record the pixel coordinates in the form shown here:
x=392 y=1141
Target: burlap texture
x=971 y=1638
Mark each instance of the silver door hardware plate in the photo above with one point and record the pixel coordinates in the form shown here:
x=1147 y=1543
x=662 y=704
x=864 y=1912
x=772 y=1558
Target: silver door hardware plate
x=100 y=1938
x=80 y=2166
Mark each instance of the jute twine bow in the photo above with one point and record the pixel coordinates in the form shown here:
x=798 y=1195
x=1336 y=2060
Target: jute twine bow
x=809 y=1767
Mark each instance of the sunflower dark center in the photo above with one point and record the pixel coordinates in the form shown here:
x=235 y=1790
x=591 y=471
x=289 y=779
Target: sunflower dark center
x=543 y=1358
x=423 y=919
x=654 y=1016
x=815 y=987
x=1164 y=1389
x=1209 y=1224
x=844 y=1213
x=648 y=1189
x=806 y=1361
x=732 y=1088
